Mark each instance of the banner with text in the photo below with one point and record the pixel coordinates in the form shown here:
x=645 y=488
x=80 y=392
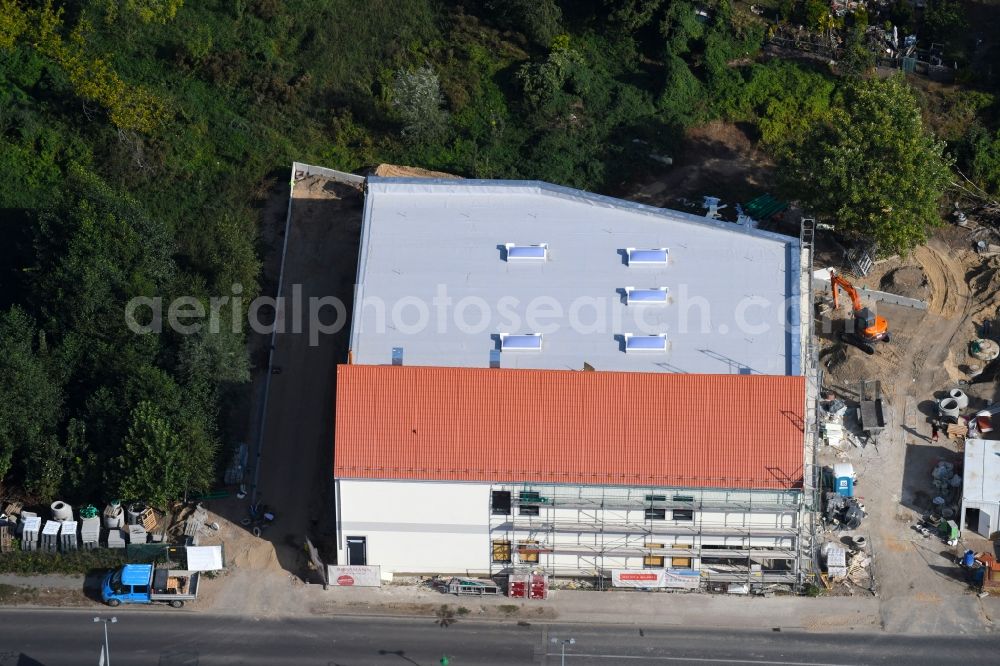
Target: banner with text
x=348 y=576
x=665 y=578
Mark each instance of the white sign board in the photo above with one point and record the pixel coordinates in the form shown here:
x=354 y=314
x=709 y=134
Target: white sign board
x=354 y=576
x=659 y=578
x=204 y=558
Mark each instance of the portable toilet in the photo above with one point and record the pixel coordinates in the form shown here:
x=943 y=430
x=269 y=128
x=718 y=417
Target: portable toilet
x=843 y=479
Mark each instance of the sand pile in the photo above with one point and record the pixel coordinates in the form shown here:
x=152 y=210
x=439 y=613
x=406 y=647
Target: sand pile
x=909 y=281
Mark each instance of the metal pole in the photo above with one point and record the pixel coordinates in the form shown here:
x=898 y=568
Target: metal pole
x=563 y=660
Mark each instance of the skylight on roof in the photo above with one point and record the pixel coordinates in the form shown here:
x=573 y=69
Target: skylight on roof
x=646 y=343
x=538 y=252
x=652 y=296
x=521 y=342
x=656 y=255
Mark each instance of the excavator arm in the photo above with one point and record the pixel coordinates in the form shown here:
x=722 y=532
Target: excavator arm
x=837 y=281
x=868 y=327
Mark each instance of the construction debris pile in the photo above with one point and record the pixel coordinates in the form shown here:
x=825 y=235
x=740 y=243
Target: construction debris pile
x=843 y=512
x=849 y=566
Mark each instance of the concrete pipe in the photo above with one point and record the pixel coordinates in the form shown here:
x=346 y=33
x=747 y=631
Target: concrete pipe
x=860 y=542
x=133 y=512
x=114 y=516
x=61 y=512
x=958 y=395
x=949 y=407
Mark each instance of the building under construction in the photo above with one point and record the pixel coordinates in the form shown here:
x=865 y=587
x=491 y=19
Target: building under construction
x=674 y=443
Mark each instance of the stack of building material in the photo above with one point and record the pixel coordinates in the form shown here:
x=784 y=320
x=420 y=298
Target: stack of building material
x=50 y=536
x=30 y=527
x=6 y=535
x=136 y=534
x=24 y=516
x=13 y=510
x=836 y=562
x=116 y=538
x=67 y=536
x=90 y=532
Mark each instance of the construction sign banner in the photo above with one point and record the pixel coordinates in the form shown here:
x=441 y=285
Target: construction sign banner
x=357 y=576
x=663 y=578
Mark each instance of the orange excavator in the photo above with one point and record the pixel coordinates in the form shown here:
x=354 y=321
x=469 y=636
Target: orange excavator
x=869 y=328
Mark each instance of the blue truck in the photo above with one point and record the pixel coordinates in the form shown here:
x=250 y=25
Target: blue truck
x=146 y=584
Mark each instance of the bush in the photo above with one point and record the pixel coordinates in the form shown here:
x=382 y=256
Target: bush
x=77 y=562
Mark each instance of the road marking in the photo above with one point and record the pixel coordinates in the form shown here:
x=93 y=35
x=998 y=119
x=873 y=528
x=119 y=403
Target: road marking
x=698 y=659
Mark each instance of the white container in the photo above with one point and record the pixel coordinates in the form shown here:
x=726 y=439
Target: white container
x=114 y=516
x=61 y=512
x=958 y=395
x=949 y=407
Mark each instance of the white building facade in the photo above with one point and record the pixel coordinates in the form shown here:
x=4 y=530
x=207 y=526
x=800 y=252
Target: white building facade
x=435 y=527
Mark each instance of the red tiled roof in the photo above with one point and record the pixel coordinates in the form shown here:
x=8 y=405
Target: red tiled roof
x=601 y=428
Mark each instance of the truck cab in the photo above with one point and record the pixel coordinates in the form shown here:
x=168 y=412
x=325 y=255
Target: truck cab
x=144 y=584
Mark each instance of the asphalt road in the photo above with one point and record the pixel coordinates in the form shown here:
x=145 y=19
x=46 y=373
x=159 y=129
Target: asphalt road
x=181 y=638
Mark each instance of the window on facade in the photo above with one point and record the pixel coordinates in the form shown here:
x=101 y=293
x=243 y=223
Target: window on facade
x=652 y=561
x=501 y=550
x=527 y=551
x=656 y=514
x=681 y=562
x=683 y=498
x=528 y=510
x=683 y=514
x=656 y=498
x=500 y=502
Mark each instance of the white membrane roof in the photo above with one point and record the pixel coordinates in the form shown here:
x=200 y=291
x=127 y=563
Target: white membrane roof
x=435 y=279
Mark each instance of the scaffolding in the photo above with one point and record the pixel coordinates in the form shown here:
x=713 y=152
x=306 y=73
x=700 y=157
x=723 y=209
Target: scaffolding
x=807 y=567
x=745 y=536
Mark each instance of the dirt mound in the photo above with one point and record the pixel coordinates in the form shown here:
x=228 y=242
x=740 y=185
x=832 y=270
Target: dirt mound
x=242 y=549
x=909 y=281
x=399 y=171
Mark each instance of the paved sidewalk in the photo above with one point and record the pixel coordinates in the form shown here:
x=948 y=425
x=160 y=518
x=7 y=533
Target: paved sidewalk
x=630 y=608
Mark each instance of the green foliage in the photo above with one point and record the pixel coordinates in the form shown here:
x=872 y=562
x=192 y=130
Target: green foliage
x=27 y=563
x=871 y=169
x=161 y=459
x=857 y=59
x=417 y=98
x=942 y=20
x=817 y=13
x=785 y=101
x=979 y=153
x=539 y=20
x=30 y=414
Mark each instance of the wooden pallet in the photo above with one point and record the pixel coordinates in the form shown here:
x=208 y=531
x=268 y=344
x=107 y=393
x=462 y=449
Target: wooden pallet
x=12 y=509
x=6 y=545
x=148 y=519
x=956 y=431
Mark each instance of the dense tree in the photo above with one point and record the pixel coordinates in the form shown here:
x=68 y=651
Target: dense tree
x=152 y=464
x=539 y=20
x=159 y=460
x=871 y=169
x=417 y=98
x=32 y=399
